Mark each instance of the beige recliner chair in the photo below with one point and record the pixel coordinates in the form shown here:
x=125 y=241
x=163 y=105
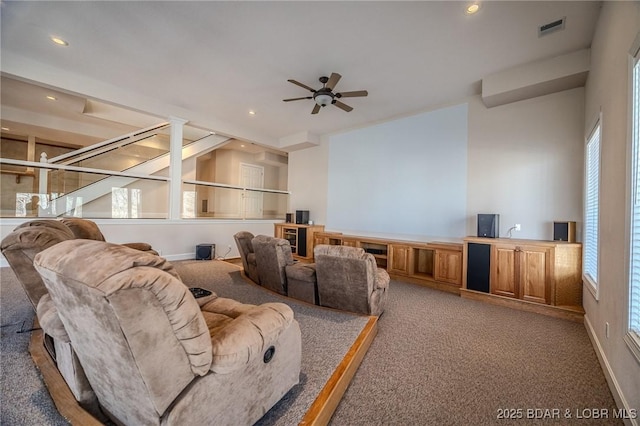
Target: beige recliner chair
x=20 y=248
x=280 y=273
x=349 y=279
x=248 y=256
x=152 y=354
x=89 y=230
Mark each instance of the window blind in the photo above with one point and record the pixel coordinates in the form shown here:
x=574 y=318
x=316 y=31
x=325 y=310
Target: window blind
x=634 y=285
x=592 y=195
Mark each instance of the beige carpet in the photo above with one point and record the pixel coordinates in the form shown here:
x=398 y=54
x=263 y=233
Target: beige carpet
x=438 y=359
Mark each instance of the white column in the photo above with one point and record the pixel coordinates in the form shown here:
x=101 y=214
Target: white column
x=31 y=150
x=175 y=167
x=43 y=205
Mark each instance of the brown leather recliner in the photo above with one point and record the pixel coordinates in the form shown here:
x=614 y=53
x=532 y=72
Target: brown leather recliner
x=152 y=354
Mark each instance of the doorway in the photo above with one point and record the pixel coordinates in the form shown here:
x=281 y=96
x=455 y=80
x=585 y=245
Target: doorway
x=251 y=176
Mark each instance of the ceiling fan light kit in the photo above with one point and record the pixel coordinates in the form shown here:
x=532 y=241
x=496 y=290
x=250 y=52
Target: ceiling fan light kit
x=325 y=95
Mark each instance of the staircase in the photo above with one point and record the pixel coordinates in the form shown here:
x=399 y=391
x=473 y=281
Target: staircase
x=147 y=149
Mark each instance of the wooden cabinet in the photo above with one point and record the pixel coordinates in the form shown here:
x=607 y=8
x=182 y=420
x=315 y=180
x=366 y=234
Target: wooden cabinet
x=301 y=237
x=542 y=272
x=437 y=265
x=399 y=259
x=448 y=266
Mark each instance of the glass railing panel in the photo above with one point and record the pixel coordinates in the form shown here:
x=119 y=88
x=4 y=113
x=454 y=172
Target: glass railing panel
x=218 y=201
x=127 y=157
x=265 y=205
x=95 y=195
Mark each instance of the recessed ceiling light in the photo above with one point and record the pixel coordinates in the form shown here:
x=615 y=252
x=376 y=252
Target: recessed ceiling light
x=242 y=146
x=52 y=98
x=472 y=8
x=59 y=41
x=252 y=113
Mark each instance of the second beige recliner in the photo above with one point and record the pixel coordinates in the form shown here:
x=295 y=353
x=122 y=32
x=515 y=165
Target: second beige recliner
x=279 y=272
x=349 y=279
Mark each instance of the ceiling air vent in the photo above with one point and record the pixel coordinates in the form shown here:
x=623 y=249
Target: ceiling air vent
x=551 y=27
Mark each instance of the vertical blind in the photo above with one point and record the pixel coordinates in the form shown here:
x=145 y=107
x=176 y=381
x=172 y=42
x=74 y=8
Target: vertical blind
x=592 y=191
x=634 y=285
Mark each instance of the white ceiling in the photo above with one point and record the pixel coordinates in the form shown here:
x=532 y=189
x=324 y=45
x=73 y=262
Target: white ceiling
x=214 y=61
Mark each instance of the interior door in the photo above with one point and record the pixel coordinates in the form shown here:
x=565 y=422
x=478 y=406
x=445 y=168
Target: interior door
x=252 y=176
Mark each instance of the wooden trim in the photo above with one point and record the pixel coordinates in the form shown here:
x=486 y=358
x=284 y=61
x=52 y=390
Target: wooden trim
x=62 y=397
x=329 y=397
x=570 y=313
x=426 y=282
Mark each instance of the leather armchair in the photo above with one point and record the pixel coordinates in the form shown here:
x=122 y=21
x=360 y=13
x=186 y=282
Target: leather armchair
x=349 y=279
x=248 y=256
x=152 y=354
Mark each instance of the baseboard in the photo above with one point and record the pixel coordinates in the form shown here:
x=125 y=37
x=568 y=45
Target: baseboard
x=618 y=396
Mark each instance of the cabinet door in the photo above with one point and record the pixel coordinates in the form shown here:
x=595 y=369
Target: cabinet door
x=448 y=266
x=350 y=243
x=503 y=270
x=534 y=273
x=399 y=261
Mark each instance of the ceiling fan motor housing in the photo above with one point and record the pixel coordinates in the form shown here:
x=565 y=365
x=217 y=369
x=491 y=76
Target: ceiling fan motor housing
x=323 y=97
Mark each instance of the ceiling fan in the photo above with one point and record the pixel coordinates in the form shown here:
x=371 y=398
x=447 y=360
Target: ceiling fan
x=325 y=95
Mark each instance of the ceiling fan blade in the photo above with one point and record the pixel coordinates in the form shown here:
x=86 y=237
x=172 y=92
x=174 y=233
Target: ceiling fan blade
x=297 y=99
x=353 y=94
x=315 y=109
x=297 y=83
x=333 y=80
x=342 y=106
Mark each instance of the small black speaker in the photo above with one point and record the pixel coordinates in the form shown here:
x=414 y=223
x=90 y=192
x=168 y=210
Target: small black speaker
x=489 y=225
x=205 y=251
x=564 y=231
x=302 y=216
x=289 y=218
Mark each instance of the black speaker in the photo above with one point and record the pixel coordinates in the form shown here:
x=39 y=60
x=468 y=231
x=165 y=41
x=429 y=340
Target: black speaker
x=489 y=225
x=289 y=218
x=205 y=251
x=478 y=267
x=564 y=231
x=302 y=216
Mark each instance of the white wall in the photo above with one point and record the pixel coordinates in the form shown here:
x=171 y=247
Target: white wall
x=607 y=90
x=526 y=163
x=308 y=181
x=407 y=176
x=176 y=240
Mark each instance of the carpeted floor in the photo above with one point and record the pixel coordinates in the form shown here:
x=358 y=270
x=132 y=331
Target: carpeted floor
x=438 y=359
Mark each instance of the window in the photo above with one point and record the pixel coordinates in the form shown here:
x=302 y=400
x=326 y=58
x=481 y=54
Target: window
x=591 y=210
x=125 y=203
x=633 y=334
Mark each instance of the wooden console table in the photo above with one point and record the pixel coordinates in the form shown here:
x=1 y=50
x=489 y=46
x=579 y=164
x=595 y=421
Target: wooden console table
x=533 y=275
x=300 y=236
x=433 y=264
